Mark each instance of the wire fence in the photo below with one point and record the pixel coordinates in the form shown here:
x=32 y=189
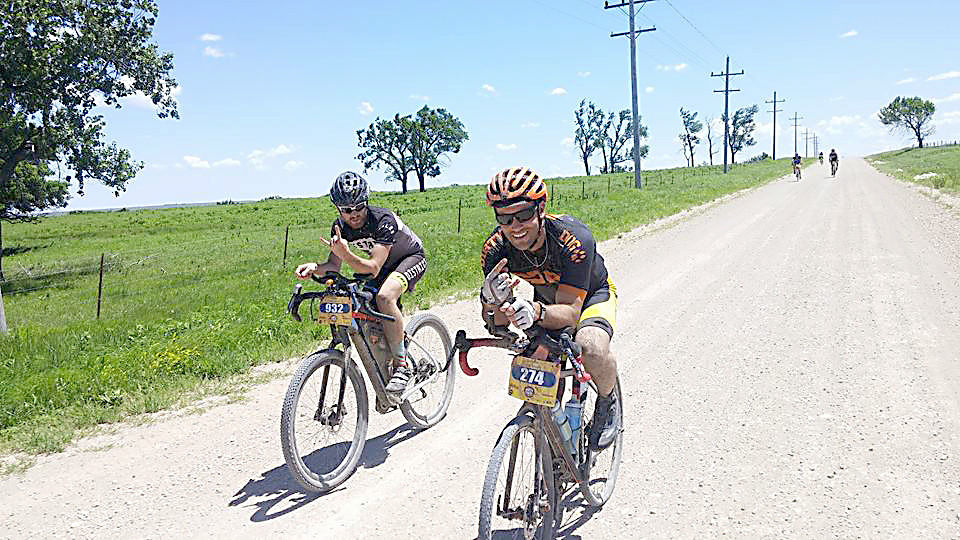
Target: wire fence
x=114 y=279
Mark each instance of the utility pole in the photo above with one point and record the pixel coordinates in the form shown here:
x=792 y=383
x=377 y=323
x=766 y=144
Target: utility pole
x=726 y=107
x=816 y=145
x=795 y=118
x=637 y=179
x=775 y=111
x=806 y=143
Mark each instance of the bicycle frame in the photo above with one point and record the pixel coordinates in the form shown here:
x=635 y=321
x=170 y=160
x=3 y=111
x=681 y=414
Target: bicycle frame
x=541 y=414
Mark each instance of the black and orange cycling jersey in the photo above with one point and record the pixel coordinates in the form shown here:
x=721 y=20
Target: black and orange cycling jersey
x=568 y=258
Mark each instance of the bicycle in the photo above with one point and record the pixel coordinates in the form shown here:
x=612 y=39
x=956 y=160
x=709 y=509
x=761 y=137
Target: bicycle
x=821 y=160
x=796 y=171
x=834 y=164
x=318 y=412
x=540 y=464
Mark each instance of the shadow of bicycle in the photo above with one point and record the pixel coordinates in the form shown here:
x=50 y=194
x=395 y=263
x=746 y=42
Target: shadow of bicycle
x=276 y=494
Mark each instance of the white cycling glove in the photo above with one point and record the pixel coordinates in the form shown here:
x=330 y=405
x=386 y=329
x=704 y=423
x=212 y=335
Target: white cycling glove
x=524 y=313
x=496 y=289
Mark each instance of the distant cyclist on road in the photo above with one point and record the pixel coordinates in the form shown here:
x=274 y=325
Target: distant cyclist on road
x=821 y=158
x=396 y=259
x=834 y=161
x=557 y=254
x=796 y=164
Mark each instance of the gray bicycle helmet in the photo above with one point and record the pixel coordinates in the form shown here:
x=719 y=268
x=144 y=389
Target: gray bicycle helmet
x=349 y=189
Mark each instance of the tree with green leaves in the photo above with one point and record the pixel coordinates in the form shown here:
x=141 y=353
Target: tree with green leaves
x=388 y=146
x=588 y=136
x=690 y=137
x=741 y=130
x=616 y=132
x=58 y=61
x=435 y=133
x=912 y=115
x=411 y=144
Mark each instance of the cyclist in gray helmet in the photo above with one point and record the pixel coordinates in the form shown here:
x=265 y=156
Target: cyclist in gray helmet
x=395 y=257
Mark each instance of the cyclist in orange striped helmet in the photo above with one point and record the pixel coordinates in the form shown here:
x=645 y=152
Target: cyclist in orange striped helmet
x=557 y=254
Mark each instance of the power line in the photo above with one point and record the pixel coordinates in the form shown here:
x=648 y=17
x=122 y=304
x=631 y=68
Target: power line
x=682 y=16
x=795 y=118
x=726 y=107
x=775 y=111
x=637 y=179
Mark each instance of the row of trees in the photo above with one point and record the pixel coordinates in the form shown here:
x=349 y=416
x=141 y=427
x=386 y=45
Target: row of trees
x=417 y=144
x=610 y=133
x=740 y=136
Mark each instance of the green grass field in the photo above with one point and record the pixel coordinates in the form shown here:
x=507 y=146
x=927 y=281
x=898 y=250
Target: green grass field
x=910 y=163
x=193 y=296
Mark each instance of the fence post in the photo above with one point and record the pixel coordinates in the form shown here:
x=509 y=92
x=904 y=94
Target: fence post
x=3 y=317
x=583 y=188
x=286 y=235
x=608 y=184
x=100 y=287
x=459 y=206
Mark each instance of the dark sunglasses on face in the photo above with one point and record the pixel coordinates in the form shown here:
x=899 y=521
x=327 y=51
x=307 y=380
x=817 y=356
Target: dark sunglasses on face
x=351 y=209
x=523 y=215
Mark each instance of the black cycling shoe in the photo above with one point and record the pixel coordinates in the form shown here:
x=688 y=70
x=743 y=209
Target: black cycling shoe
x=603 y=427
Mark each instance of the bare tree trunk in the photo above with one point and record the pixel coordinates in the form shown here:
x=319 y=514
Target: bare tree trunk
x=423 y=180
x=586 y=166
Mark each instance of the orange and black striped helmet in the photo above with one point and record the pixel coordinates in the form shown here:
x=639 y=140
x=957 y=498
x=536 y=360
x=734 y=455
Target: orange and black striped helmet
x=514 y=185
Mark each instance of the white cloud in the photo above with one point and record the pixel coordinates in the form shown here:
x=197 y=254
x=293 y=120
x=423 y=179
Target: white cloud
x=952 y=117
x=671 y=67
x=292 y=165
x=418 y=97
x=851 y=33
x=558 y=91
x=488 y=89
x=211 y=37
x=258 y=157
x=944 y=76
x=530 y=125
x=228 y=162
x=583 y=74
x=196 y=162
x=365 y=108
x=907 y=80
x=567 y=142
x=505 y=147
x=649 y=89
x=952 y=97
x=212 y=52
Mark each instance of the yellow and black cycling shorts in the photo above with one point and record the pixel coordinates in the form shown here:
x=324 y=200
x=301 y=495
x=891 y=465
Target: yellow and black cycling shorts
x=600 y=309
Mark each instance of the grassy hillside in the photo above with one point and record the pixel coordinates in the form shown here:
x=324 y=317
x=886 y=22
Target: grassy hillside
x=194 y=295
x=917 y=164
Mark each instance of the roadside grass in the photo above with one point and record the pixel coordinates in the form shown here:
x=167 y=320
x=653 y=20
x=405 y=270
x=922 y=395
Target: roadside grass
x=193 y=297
x=909 y=163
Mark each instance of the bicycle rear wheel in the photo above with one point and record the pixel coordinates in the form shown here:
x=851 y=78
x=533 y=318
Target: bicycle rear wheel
x=602 y=468
x=322 y=434
x=519 y=499
x=429 y=345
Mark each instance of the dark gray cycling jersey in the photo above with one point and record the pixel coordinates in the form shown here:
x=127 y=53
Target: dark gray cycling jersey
x=382 y=227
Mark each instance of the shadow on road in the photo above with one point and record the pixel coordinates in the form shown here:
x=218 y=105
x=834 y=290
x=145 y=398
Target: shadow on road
x=276 y=486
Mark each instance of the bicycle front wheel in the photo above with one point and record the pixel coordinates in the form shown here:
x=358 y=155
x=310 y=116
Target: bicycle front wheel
x=429 y=345
x=601 y=468
x=519 y=499
x=323 y=425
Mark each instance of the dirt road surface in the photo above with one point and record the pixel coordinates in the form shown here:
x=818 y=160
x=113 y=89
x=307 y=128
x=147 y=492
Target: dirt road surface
x=790 y=360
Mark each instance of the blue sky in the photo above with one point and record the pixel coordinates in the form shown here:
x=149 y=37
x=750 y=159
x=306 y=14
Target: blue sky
x=271 y=96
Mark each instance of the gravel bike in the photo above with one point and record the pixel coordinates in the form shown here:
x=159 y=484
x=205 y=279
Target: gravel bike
x=796 y=171
x=834 y=164
x=536 y=460
x=323 y=424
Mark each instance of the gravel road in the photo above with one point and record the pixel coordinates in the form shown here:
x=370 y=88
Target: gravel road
x=790 y=360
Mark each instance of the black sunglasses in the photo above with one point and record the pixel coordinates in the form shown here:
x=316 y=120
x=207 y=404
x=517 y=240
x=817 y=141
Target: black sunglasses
x=351 y=209
x=523 y=215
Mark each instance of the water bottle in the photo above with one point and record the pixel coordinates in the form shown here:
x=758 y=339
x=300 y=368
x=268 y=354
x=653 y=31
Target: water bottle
x=560 y=418
x=573 y=410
